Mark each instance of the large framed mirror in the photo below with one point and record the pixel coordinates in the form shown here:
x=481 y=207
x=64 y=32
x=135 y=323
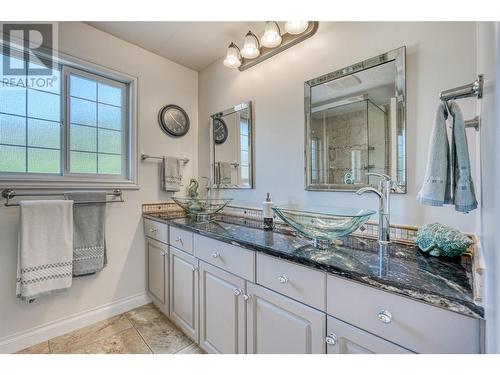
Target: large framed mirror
x=355 y=120
x=231 y=148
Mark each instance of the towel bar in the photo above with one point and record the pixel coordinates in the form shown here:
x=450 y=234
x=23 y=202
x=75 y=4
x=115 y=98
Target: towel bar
x=9 y=194
x=474 y=89
x=146 y=156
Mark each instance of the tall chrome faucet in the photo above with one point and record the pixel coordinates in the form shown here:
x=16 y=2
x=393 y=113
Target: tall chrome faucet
x=385 y=186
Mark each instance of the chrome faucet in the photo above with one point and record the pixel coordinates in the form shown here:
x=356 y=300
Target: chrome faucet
x=385 y=186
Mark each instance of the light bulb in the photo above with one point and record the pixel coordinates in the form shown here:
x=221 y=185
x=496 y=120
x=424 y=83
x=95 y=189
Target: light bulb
x=271 y=37
x=251 y=46
x=233 y=57
x=296 y=27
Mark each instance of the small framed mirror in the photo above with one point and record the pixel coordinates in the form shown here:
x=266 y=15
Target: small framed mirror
x=356 y=123
x=231 y=147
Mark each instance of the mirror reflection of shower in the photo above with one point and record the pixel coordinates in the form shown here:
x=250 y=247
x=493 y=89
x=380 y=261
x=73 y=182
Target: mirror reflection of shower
x=355 y=125
x=350 y=140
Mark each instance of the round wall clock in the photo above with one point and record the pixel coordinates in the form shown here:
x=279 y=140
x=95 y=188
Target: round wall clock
x=220 y=131
x=173 y=120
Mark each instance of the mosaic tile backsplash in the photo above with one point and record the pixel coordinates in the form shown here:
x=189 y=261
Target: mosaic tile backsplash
x=252 y=217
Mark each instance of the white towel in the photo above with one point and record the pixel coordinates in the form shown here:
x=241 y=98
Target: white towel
x=171 y=177
x=45 y=248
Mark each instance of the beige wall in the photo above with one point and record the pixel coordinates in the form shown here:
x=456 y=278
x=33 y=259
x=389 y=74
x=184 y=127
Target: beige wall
x=160 y=82
x=439 y=56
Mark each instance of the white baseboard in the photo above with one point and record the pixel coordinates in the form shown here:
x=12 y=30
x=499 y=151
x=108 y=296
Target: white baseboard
x=32 y=336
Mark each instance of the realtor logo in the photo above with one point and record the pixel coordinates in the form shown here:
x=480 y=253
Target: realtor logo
x=28 y=48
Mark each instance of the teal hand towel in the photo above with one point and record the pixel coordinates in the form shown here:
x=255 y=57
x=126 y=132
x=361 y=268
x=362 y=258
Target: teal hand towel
x=436 y=189
x=464 y=196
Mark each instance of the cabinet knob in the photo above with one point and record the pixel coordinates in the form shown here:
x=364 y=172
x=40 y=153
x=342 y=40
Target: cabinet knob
x=153 y=230
x=215 y=254
x=246 y=297
x=237 y=292
x=331 y=339
x=385 y=316
x=283 y=279
x=195 y=268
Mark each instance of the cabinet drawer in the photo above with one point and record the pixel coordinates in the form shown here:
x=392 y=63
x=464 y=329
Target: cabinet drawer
x=298 y=282
x=156 y=230
x=231 y=258
x=414 y=325
x=181 y=239
x=342 y=338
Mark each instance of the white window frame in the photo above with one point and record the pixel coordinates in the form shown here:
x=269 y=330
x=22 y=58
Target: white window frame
x=129 y=177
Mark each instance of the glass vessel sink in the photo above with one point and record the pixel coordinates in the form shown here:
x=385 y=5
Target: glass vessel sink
x=201 y=208
x=323 y=224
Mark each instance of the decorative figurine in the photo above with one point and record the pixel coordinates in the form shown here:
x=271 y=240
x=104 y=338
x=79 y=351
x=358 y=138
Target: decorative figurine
x=194 y=203
x=441 y=240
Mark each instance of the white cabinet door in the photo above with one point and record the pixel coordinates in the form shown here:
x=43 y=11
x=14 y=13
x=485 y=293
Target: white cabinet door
x=184 y=292
x=157 y=270
x=280 y=325
x=222 y=311
x=342 y=338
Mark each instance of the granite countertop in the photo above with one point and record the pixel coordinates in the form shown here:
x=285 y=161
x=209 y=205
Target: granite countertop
x=397 y=268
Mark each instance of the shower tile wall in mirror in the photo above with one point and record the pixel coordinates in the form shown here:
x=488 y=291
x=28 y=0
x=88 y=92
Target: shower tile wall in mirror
x=355 y=124
x=231 y=148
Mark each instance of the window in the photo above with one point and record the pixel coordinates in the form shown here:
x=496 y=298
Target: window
x=78 y=129
x=30 y=117
x=314 y=161
x=244 y=150
x=96 y=113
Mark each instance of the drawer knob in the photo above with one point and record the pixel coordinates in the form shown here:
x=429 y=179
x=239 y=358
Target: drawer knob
x=385 y=316
x=215 y=255
x=237 y=292
x=283 y=279
x=246 y=297
x=331 y=339
x=153 y=230
x=178 y=239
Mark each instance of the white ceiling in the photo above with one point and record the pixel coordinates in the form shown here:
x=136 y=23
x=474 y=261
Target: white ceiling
x=192 y=44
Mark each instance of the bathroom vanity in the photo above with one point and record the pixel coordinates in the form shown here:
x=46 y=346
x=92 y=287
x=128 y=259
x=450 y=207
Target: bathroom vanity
x=237 y=289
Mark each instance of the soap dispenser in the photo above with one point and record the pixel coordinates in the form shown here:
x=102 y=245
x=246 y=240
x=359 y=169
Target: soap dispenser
x=267 y=213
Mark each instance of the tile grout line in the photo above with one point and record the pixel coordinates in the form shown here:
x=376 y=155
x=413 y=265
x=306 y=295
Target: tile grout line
x=171 y=322
x=192 y=343
x=142 y=338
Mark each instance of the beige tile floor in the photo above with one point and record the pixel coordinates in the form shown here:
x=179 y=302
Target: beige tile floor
x=144 y=330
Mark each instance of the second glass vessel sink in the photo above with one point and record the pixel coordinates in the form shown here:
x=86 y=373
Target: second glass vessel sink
x=323 y=224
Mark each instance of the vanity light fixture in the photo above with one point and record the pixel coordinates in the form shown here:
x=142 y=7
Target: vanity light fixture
x=272 y=43
x=251 y=47
x=272 y=35
x=296 y=27
x=233 y=56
